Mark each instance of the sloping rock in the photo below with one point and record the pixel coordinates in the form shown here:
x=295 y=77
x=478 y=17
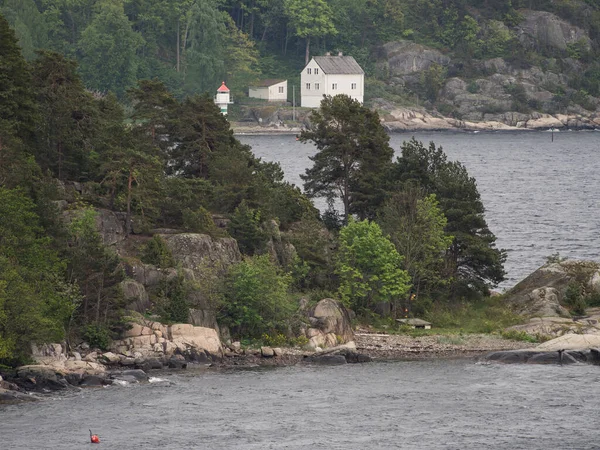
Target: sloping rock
x=406 y=57
x=136 y=296
x=571 y=342
x=541 y=293
x=195 y=251
x=542 y=29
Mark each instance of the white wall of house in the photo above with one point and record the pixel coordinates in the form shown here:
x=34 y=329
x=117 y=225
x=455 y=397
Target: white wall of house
x=274 y=93
x=314 y=84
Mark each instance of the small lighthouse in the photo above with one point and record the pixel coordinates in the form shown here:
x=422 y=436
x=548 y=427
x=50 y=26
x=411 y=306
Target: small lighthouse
x=222 y=99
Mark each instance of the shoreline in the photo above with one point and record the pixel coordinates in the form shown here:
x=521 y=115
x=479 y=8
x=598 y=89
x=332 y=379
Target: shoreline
x=267 y=131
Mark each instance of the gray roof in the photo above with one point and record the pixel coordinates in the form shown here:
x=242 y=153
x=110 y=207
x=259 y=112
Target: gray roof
x=338 y=65
x=266 y=83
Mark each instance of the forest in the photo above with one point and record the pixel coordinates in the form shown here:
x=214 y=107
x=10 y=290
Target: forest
x=107 y=105
x=192 y=45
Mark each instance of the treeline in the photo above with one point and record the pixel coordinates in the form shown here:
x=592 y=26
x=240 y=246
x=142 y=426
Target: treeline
x=191 y=45
x=163 y=163
x=419 y=236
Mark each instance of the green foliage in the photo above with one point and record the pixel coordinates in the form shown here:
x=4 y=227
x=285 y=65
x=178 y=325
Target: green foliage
x=173 y=295
x=200 y=221
x=97 y=336
x=157 y=253
x=487 y=316
x=522 y=336
x=416 y=226
x=108 y=48
x=36 y=302
x=245 y=228
x=353 y=152
x=574 y=298
x=256 y=299
x=432 y=81
x=472 y=261
x=97 y=269
x=369 y=267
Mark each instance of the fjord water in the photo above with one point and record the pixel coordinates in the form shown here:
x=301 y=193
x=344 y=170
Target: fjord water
x=541 y=196
x=453 y=404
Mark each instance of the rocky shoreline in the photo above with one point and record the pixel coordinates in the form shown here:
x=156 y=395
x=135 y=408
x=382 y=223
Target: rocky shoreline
x=30 y=383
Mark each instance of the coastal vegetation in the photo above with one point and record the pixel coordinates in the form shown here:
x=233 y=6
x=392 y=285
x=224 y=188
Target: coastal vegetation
x=144 y=141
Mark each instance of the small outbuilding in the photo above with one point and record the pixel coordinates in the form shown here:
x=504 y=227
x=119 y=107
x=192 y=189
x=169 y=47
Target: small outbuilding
x=270 y=90
x=415 y=323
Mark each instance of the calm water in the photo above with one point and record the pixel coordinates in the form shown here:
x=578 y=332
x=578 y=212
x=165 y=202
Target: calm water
x=541 y=197
x=404 y=405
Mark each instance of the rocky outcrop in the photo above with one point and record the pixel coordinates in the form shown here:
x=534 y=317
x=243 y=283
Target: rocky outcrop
x=329 y=325
x=542 y=292
x=552 y=327
x=196 y=251
x=147 y=340
x=407 y=58
x=541 y=29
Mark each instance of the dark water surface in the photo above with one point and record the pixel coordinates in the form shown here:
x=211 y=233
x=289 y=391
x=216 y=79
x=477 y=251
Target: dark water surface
x=541 y=197
x=396 y=405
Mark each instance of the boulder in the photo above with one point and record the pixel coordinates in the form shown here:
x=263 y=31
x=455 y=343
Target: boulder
x=203 y=338
x=331 y=318
x=541 y=293
x=8 y=397
x=267 y=352
x=131 y=376
x=39 y=378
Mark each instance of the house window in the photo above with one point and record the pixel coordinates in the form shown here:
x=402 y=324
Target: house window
x=281 y=89
x=353 y=86
x=316 y=85
x=308 y=71
x=334 y=86
x=308 y=86
x=316 y=71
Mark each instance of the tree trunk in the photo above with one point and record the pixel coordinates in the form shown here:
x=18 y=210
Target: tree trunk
x=128 y=216
x=307 y=53
x=178 y=45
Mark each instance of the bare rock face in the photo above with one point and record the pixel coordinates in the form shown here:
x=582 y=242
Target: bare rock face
x=136 y=296
x=195 y=251
x=541 y=293
x=149 y=339
x=544 y=29
x=330 y=325
x=405 y=57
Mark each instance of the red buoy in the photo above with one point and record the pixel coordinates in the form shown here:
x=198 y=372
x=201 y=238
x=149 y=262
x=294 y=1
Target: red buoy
x=94 y=438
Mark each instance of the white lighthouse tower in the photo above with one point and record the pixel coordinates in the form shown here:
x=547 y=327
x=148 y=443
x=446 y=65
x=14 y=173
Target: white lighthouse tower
x=222 y=99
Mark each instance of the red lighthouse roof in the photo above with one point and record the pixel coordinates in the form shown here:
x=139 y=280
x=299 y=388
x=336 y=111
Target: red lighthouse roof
x=223 y=88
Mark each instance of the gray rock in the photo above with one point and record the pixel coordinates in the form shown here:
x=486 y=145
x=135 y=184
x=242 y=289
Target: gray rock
x=195 y=251
x=136 y=296
x=541 y=293
x=542 y=29
x=406 y=57
x=94 y=381
x=267 y=352
x=326 y=360
x=136 y=375
x=11 y=397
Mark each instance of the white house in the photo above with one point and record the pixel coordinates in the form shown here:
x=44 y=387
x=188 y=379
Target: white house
x=331 y=75
x=270 y=90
